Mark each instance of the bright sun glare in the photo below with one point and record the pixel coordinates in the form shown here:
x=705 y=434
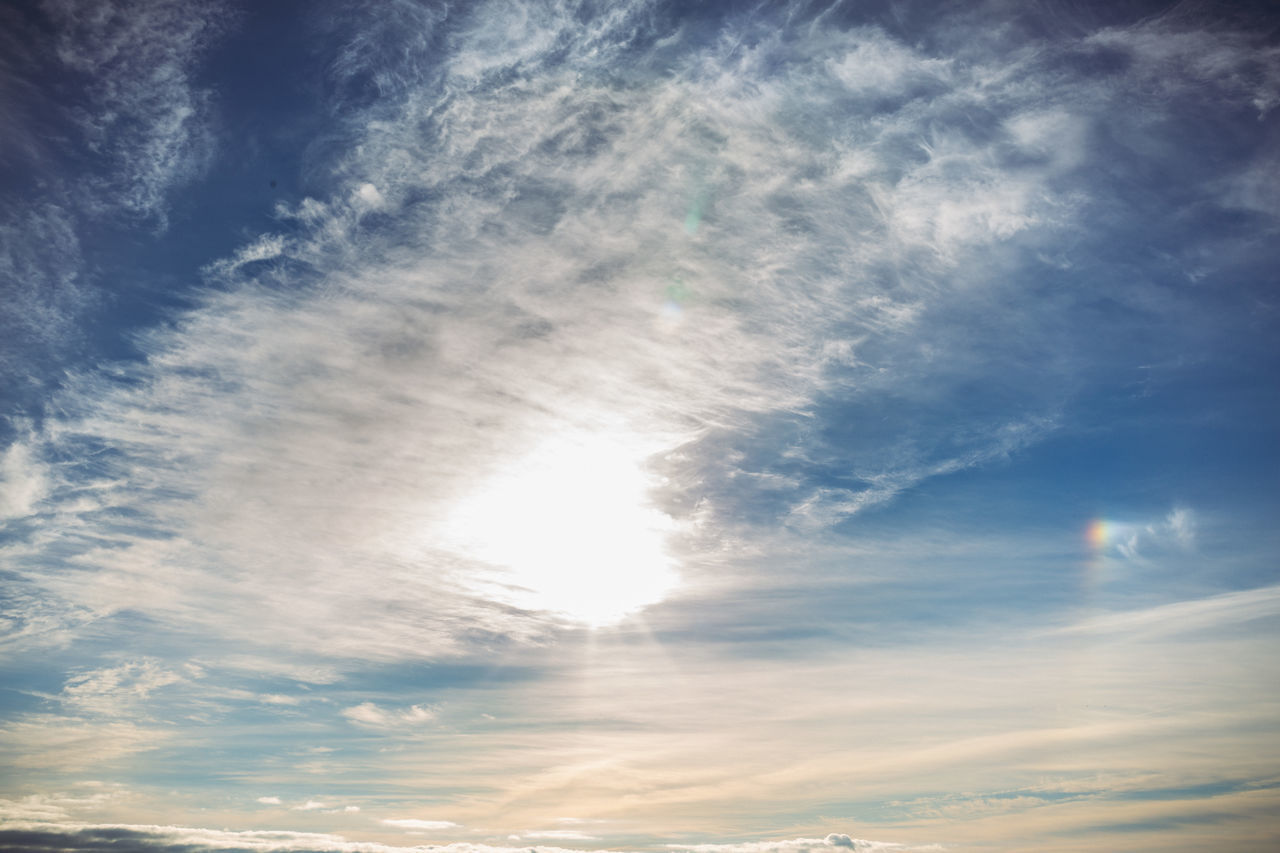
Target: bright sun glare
x=571 y=529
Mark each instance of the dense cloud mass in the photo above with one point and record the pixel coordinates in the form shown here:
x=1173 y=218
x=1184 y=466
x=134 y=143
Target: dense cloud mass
x=720 y=423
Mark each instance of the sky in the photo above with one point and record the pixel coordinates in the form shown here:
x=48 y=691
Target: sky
x=670 y=427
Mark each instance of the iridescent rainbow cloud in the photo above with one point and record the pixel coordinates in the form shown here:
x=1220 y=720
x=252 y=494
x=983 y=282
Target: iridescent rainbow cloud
x=1097 y=534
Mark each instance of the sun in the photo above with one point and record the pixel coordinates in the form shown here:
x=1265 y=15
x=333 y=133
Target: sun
x=569 y=529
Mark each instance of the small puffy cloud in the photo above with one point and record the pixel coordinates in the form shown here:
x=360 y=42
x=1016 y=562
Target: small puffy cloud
x=269 y=801
x=561 y=835
x=368 y=197
x=310 y=806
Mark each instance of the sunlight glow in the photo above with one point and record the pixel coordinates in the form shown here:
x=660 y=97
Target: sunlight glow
x=570 y=529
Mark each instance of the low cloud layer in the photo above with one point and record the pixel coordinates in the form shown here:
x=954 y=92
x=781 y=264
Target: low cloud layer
x=163 y=839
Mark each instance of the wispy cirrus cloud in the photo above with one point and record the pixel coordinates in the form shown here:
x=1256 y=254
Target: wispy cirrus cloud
x=672 y=256
x=105 y=124
x=49 y=742
x=1176 y=530
x=148 y=124
x=1218 y=612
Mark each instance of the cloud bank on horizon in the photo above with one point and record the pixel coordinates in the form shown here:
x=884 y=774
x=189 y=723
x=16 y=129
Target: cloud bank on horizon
x=739 y=427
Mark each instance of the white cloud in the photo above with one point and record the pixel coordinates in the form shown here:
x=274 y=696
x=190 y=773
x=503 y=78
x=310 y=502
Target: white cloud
x=804 y=845
x=144 y=836
x=1173 y=61
x=265 y=248
x=45 y=288
x=22 y=482
x=48 y=741
x=310 y=674
x=1182 y=526
x=369 y=714
x=1176 y=531
x=559 y=835
x=118 y=690
x=414 y=823
x=826 y=506
x=1227 y=609
x=32 y=808
x=279 y=841
x=1058 y=134
x=363 y=389
x=61 y=806
x=318 y=806
x=677 y=252
x=367 y=196
x=878 y=66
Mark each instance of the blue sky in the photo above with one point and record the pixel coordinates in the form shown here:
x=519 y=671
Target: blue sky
x=733 y=428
